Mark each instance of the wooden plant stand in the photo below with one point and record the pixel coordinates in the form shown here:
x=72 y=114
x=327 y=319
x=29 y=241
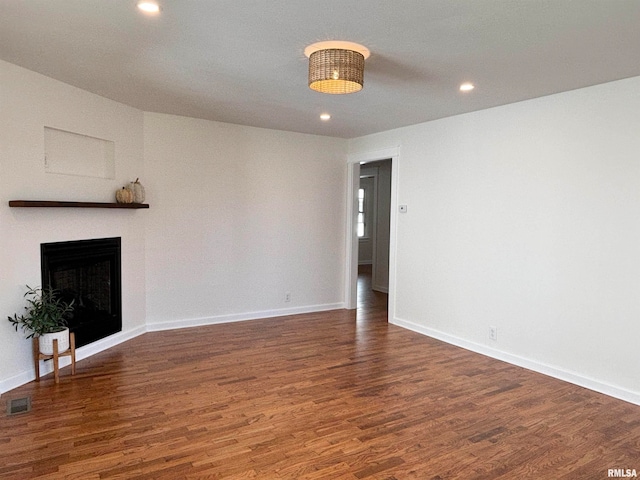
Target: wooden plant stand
x=71 y=352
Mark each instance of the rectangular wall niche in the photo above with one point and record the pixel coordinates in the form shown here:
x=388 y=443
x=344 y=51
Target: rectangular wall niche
x=69 y=153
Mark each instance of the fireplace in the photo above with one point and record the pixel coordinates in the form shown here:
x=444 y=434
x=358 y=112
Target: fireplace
x=87 y=272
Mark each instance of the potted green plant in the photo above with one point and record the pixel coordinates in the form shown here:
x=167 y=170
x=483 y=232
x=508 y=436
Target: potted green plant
x=45 y=318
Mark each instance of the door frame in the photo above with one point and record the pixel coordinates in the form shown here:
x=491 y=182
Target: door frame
x=351 y=256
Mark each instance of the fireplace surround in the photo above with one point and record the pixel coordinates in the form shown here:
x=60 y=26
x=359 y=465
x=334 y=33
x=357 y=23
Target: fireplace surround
x=89 y=273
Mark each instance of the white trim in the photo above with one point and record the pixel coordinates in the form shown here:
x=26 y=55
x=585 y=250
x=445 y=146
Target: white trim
x=21 y=378
x=375 y=155
x=241 y=317
x=393 y=233
x=378 y=288
x=351 y=237
x=534 y=365
x=108 y=342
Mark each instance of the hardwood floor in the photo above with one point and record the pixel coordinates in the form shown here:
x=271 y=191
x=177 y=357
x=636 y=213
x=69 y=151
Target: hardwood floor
x=318 y=396
x=369 y=300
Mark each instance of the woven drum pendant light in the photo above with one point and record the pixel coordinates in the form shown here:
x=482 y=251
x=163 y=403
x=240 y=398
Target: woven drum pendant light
x=336 y=70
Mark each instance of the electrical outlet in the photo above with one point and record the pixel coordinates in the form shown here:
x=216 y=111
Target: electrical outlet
x=493 y=333
x=287 y=297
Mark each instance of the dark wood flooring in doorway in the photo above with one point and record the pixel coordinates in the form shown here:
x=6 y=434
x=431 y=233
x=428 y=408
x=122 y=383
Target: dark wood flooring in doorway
x=326 y=395
x=369 y=300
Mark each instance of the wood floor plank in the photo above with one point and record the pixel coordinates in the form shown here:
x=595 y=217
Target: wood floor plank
x=330 y=395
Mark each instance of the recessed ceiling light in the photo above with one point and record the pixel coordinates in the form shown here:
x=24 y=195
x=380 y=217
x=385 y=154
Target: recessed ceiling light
x=324 y=117
x=467 y=87
x=149 y=7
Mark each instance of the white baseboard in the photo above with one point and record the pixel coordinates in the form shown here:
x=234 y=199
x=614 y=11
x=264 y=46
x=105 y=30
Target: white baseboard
x=550 y=370
x=86 y=351
x=20 y=379
x=241 y=317
x=108 y=342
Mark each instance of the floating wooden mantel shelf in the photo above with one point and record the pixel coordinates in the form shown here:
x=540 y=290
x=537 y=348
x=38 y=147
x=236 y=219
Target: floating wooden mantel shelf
x=56 y=204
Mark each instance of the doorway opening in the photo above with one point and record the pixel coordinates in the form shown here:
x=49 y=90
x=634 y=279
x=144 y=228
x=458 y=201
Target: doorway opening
x=377 y=276
x=373 y=231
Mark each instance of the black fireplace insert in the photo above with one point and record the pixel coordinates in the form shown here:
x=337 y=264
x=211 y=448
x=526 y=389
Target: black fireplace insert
x=87 y=272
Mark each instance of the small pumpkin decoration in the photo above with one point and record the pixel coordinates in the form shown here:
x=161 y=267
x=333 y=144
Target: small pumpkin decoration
x=124 y=195
x=138 y=191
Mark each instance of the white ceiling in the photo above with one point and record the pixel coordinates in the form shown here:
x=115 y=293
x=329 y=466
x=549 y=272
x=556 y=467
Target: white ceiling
x=242 y=61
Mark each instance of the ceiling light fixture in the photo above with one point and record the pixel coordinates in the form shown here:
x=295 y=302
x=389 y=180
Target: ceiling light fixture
x=467 y=87
x=336 y=67
x=325 y=116
x=149 y=7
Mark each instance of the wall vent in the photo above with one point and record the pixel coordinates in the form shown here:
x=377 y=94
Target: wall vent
x=18 y=405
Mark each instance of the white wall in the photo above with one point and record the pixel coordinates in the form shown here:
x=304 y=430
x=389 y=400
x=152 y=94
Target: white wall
x=380 y=278
x=239 y=217
x=527 y=217
x=28 y=103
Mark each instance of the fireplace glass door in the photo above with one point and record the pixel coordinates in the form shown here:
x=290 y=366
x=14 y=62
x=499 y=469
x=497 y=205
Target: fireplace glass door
x=87 y=272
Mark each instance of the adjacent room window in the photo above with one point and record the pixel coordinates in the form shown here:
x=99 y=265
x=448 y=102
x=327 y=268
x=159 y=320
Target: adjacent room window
x=361 y=213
